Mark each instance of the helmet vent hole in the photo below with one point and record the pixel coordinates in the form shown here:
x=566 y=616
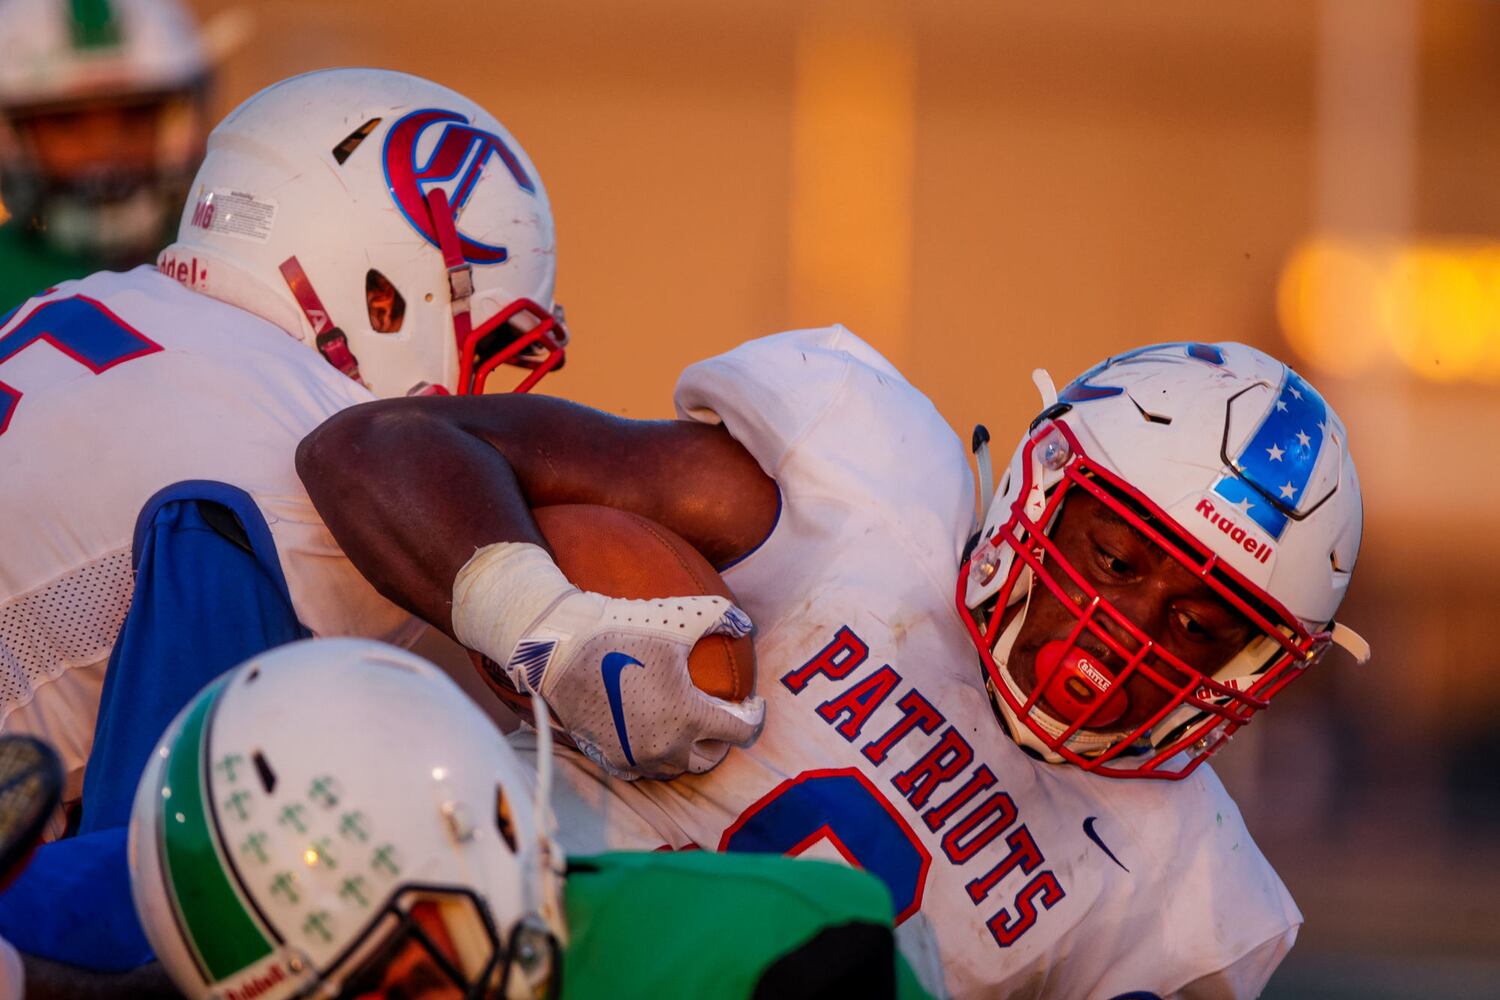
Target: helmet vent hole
x=385 y=305
x=351 y=142
x=1153 y=418
x=263 y=772
x=505 y=823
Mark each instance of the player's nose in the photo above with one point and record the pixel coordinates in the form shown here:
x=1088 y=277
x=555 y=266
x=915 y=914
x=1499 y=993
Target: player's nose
x=1145 y=605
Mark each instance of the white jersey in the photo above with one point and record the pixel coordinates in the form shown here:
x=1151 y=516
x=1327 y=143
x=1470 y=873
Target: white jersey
x=111 y=388
x=1010 y=877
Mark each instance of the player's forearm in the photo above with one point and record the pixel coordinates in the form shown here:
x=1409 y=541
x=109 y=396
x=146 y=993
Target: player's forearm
x=410 y=495
x=411 y=488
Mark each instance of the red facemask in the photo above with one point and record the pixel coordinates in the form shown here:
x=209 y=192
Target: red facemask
x=1077 y=697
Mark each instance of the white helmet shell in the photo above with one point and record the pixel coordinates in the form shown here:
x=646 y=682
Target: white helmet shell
x=318 y=183
x=292 y=804
x=1165 y=420
x=1217 y=445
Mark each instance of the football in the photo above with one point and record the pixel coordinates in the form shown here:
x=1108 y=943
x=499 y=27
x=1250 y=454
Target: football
x=620 y=554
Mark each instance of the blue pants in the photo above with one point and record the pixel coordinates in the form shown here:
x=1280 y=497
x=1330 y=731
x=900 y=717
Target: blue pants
x=209 y=594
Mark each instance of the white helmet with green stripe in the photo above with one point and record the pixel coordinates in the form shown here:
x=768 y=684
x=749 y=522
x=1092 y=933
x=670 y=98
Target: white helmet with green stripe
x=333 y=816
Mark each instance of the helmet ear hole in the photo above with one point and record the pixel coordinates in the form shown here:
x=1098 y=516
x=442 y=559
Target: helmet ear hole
x=504 y=822
x=385 y=305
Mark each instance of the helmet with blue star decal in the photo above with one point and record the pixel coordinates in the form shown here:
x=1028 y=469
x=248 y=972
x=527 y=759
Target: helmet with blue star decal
x=1165 y=553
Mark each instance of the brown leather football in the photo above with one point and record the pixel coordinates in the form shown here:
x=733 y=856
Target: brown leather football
x=620 y=554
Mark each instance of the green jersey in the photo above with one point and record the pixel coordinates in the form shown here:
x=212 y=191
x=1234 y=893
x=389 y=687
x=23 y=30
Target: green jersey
x=28 y=266
x=702 y=926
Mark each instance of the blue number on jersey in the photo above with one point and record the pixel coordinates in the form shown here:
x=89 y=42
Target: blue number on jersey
x=79 y=327
x=844 y=808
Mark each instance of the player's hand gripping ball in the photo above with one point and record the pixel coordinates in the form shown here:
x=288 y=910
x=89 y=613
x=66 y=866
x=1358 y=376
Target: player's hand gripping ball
x=622 y=555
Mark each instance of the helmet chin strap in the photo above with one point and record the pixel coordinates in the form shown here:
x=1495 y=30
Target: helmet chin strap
x=980 y=445
x=329 y=339
x=461 y=291
x=542 y=885
x=460 y=271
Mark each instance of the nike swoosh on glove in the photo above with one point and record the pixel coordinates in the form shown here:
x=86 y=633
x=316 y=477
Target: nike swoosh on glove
x=614 y=671
x=619 y=682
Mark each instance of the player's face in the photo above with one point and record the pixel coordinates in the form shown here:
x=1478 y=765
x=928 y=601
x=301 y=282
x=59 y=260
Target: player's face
x=410 y=972
x=69 y=145
x=1166 y=601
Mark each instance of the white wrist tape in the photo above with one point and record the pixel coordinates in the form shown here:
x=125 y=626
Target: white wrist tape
x=501 y=593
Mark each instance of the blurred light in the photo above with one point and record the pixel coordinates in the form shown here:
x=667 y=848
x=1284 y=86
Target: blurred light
x=1347 y=306
x=310 y=856
x=1327 y=301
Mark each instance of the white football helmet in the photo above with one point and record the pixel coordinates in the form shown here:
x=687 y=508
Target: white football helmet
x=67 y=65
x=333 y=816
x=389 y=222
x=1216 y=458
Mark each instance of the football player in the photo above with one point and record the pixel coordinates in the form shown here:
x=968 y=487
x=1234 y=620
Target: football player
x=336 y=818
x=351 y=233
x=102 y=116
x=1005 y=717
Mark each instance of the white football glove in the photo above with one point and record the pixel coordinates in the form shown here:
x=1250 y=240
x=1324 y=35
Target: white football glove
x=614 y=671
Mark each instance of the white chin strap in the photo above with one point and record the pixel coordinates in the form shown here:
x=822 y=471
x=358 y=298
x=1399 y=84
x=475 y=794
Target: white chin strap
x=1042 y=379
x=1351 y=642
x=545 y=871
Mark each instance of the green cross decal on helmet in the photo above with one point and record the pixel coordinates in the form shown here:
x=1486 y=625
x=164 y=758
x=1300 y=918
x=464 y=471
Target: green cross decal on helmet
x=283 y=909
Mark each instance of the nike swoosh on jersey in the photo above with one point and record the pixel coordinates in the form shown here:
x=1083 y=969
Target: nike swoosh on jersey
x=1092 y=834
x=614 y=664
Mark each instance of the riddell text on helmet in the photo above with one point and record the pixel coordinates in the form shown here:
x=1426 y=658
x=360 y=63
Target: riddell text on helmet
x=1260 y=550
x=187 y=271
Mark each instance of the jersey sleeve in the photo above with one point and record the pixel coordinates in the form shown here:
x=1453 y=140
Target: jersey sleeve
x=1246 y=977
x=726 y=925
x=835 y=424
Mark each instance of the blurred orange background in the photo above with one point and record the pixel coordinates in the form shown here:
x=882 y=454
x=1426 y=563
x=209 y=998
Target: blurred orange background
x=984 y=188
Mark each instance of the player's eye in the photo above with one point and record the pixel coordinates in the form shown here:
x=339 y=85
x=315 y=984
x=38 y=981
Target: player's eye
x=1192 y=627
x=1208 y=627
x=1112 y=563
